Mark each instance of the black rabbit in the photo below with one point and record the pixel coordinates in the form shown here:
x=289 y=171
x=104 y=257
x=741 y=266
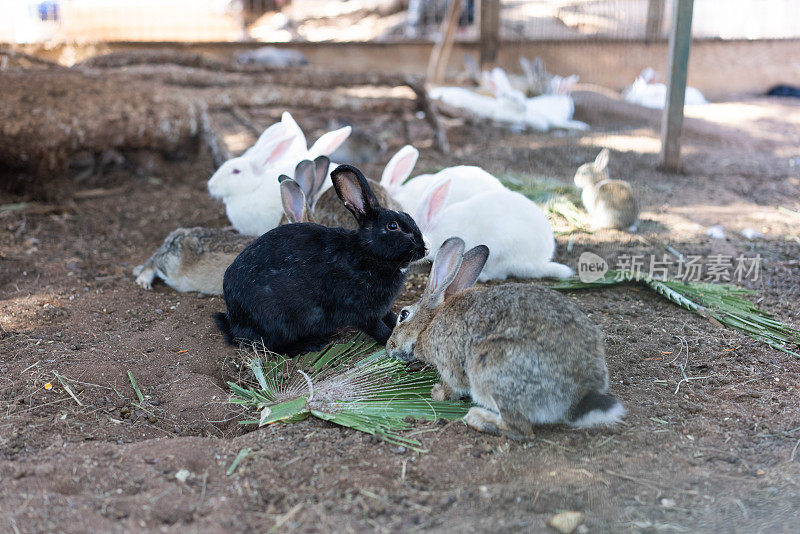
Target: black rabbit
x=296 y=285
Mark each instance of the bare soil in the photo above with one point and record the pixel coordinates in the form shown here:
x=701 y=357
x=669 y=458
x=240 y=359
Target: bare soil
x=710 y=443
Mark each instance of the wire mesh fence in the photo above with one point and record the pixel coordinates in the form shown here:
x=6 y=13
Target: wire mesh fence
x=25 y=21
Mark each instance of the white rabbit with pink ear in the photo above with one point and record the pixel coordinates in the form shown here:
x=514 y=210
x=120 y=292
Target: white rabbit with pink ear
x=514 y=228
x=248 y=185
x=645 y=92
x=555 y=110
x=466 y=180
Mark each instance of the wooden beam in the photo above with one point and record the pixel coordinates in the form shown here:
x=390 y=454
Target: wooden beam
x=680 y=41
x=655 y=20
x=490 y=32
x=440 y=54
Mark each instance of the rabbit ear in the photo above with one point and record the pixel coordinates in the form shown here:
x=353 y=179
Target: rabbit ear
x=270 y=135
x=472 y=67
x=648 y=75
x=304 y=176
x=354 y=190
x=282 y=178
x=293 y=199
x=433 y=202
x=500 y=79
x=330 y=141
x=568 y=83
x=601 y=161
x=271 y=153
x=445 y=267
x=321 y=166
x=471 y=266
x=399 y=167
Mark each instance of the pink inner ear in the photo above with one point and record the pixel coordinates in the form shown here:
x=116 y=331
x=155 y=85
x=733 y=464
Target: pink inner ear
x=279 y=150
x=331 y=141
x=437 y=199
x=402 y=169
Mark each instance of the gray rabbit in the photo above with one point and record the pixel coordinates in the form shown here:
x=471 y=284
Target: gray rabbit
x=525 y=354
x=328 y=210
x=610 y=203
x=195 y=259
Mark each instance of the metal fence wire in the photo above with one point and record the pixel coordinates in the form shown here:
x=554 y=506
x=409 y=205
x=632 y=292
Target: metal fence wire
x=26 y=21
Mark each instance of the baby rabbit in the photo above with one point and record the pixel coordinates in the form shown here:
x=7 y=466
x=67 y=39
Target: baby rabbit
x=525 y=354
x=195 y=259
x=513 y=226
x=296 y=285
x=466 y=180
x=610 y=203
x=328 y=210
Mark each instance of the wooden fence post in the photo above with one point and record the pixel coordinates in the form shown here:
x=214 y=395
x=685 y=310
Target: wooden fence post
x=680 y=41
x=490 y=32
x=655 y=20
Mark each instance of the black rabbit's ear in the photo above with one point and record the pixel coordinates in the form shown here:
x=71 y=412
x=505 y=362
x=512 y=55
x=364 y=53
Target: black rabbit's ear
x=294 y=201
x=445 y=267
x=471 y=266
x=304 y=176
x=321 y=165
x=354 y=190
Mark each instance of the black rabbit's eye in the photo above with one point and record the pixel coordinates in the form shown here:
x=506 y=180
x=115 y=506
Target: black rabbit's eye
x=236 y=171
x=392 y=225
x=403 y=316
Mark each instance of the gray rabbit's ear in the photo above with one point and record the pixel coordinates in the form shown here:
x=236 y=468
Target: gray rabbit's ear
x=471 y=266
x=294 y=201
x=445 y=267
x=601 y=161
x=354 y=190
x=321 y=166
x=304 y=176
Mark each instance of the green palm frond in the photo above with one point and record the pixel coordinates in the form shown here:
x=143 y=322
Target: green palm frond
x=352 y=384
x=555 y=198
x=722 y=303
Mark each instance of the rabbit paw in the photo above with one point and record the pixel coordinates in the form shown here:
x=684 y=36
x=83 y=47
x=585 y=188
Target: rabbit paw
x=442 y=392
x=145 y=278
x=484 y=420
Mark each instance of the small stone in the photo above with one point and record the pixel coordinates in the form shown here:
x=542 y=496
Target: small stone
x=152 y=419
x=159 y=311
x=149 y=350
x=566 y=522
x=398 y=450
x=668 y=503
x=182 y=475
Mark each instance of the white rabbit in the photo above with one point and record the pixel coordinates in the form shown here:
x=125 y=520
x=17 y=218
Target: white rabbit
x=248 y=185
x=509 y=106
x=513 y=227
x=466 y=180
x=644 y=92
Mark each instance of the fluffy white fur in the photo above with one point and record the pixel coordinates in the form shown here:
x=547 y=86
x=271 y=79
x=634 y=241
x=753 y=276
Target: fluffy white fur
x=644 y=92
x=601 y=417
x=466 y=181
x=516 y=231
x=509 y=105
x=248 y=184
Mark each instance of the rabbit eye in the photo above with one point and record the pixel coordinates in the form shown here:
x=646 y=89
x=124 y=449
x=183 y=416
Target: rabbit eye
x=403 y=316
x=392 y=225
x=236 y=171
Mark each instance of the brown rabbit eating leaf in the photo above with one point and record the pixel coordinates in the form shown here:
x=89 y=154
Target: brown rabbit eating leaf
x=525 y=354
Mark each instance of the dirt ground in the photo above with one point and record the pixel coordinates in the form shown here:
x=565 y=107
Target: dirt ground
x=711 y=450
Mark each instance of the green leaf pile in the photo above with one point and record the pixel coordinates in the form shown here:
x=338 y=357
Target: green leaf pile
x=723 y=303
x=351 y=384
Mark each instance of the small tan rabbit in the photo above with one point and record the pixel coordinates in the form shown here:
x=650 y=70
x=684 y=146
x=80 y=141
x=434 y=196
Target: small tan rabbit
x=195 y=259
x=525 y=354
x=328 y=210
x=610 y=203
